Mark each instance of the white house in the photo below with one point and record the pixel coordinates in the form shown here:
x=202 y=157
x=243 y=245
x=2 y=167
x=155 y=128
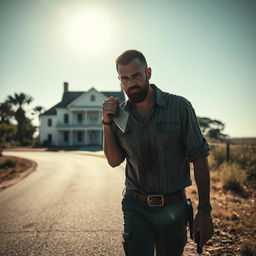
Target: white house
x=76 y=120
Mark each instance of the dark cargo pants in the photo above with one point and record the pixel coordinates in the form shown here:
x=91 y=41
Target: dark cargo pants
x=146 y=228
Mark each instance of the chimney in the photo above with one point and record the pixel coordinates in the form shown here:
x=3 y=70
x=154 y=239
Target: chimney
x=65 y=86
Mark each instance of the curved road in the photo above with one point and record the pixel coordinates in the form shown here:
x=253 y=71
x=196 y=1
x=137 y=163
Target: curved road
x=71 y=205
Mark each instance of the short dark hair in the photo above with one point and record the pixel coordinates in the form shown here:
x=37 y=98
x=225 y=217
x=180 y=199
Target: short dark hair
x=129 y=55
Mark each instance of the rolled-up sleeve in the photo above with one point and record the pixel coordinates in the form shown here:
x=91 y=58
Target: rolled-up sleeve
x=195 y=144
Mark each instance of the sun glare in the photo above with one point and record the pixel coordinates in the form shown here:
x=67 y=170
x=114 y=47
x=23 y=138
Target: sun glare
x=88 y=31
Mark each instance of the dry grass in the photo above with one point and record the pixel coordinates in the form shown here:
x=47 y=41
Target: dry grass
x=240 y=170
x=234 y=218
x=232 y=177
x=11 y=167
x=234 y=214
x=248 y=248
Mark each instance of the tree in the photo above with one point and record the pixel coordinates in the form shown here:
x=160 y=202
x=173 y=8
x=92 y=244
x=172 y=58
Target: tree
x=212 y=128
x=38 y=110
x=29 y=130
x=6 y=131
x=6 y=112
x=20 y=100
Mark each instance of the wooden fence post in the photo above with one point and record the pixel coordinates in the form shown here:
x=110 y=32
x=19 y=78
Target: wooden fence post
x=227 y=151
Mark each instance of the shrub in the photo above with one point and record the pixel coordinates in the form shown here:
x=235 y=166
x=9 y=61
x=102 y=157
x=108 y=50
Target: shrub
x=212 y=162
x=9 y=163
x=219 y=154
x=232 y=176
x=244 y=156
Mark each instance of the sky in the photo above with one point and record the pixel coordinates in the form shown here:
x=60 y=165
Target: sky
x=203 y=50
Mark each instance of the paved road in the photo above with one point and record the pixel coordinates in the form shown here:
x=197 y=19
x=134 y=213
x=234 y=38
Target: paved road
x=69 y=206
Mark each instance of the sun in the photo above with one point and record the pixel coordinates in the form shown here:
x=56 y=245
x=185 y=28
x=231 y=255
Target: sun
x=88 y=30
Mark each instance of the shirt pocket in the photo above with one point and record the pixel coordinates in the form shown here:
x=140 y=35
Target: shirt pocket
x=167 y=133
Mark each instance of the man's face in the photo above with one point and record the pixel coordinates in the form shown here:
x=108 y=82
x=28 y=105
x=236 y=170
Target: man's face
x=134 y=78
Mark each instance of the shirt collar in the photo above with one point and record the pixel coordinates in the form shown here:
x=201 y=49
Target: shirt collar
x=160 y=97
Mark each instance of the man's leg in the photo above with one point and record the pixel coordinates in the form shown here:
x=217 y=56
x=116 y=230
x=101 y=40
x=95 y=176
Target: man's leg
x=139 y=236
x=171 y=245
x=171 y=223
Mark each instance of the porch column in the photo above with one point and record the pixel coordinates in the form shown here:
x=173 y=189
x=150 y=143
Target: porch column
x=57 y=142
x=85 y=137
x=101 y=137
x=85 y=117
x=71 y=138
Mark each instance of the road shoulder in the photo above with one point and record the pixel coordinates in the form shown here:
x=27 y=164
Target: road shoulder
x=11 y=176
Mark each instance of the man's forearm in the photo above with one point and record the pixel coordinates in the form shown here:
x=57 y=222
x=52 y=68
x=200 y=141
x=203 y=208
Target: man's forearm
x=202 y=177
x=112 y=150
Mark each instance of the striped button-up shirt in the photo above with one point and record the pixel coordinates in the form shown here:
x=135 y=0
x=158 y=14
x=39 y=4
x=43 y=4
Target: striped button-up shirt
x=159 y=147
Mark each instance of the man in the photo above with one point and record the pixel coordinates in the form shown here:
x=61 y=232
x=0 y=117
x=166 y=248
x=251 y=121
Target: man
x=159 y=140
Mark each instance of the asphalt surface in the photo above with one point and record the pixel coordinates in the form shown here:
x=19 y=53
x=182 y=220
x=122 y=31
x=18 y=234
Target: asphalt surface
x=71 y=205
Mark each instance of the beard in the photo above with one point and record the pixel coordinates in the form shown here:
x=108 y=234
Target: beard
x=141 y=93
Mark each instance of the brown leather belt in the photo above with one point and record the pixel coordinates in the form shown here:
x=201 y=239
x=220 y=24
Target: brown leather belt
x=157 y=200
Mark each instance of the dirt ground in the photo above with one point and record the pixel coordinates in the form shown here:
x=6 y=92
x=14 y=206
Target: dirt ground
x=16 y=170
x=234 y=217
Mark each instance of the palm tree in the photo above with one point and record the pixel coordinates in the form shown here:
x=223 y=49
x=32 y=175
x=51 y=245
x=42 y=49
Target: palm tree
x=6 y=112
x=20 y=100
x=38 y=110
x=6 y=131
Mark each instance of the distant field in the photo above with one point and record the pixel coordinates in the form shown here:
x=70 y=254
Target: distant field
x=250 y=141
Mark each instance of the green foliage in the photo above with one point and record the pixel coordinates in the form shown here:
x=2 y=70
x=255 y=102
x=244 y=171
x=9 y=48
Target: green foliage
x=25 y=129
x=9 y=163
x=6 y=112
x=6 y=131
x=22 y=132
x=20 y=99
x=212 y=128
x=37 y=110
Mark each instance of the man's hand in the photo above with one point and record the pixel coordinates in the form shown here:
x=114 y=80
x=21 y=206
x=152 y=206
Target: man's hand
x=109 y=107
x=203 y=224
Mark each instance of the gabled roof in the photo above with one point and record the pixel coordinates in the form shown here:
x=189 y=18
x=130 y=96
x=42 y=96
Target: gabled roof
x=68 y=97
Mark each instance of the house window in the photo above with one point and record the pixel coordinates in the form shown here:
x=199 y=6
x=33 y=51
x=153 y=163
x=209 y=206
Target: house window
x=66 y=117
x=66 y=136
x=92 y=97
x=93 y=116
x=49 y=137
x=49 y=121
x=79 y=118
x=79 y=136
x=93 y=137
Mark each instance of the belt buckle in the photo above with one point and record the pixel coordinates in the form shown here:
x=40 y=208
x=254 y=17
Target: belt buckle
x=161 y=199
